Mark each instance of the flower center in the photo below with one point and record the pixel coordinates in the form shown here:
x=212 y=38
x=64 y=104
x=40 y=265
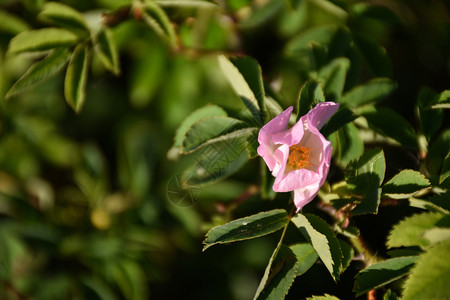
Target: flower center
x=298 y=157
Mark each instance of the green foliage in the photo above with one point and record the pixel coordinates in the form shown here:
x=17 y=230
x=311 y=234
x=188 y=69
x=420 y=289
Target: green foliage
x=76 y=78
x=247 y=228
x=428 y=276
x=42 y=39
x=64 y=16
x=405 y=184
x=382 y=273
x=323 y=240
x=371 y=92
x=107 y=51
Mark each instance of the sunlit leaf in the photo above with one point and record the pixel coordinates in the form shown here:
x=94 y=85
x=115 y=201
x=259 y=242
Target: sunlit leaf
x=405 y=184
x=42 y=39
x=155 y=17
x=306 y=257
x=186 y=3
x=64 y=16
x=382 y=273
x=107 y=50
x=247 y=228
x=40 y=71
x=322 y=238
x=324 y=297
x=333 y=77
x=429 y=277
x=409 y=232
x=76 y=78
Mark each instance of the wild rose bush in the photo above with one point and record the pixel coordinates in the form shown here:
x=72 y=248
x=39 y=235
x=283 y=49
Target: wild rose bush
x=301 y=134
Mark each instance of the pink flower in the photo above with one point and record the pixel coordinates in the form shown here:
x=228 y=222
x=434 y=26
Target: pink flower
x=299 y=157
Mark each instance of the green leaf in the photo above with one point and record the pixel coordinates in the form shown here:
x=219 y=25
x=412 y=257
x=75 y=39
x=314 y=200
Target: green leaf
x=208 y=128
x=430 y=119
x=429 y=277
x=445 y=172
x=347 y=143
x=366 y=175
x=220 y=157
x=434 y=204
x=373 y=91
x=310 y=94
x=247 y=228
x=244 y=75
x=437 y=235
x=333 y=77
x=319 y=234
x=342 y=117
x=306 y=257
x=281 y=275
x=443 y=100
x=42 y=39
x=262 y=15
x=155 y=17
x=405 y=184
x=371 y=162
x=99 y=288
x=382 y=273
x=390 y=295
x=409 y=232
x=437 y=151
x=348 y=253
x=203 y=112
x=107 y=50
x=64 y=16
x=76 y=78
x=320 y=34
x=324 y=297
x=11 y=24
x=40 y=71
x=389 y=123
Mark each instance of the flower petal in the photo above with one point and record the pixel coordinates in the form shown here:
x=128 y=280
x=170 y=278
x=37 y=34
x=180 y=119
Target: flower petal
x=267 y=147
x=305 y=195
x=321 y=113
x=295 y=179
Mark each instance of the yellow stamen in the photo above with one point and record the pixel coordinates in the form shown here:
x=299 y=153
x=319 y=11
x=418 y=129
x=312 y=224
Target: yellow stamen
x=298 y=157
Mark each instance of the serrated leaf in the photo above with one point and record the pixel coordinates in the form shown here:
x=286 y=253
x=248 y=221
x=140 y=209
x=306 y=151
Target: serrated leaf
x=391 y=124
x=366 y=175
x=42 y=39
x=409 y=232
x=429 y=277
x=405 y=184
x=428 y=204
x=324 y=297
x=342 y=117
x=40 y=71
x=76 y=78
x=203 y=112
x=310 y=94
x=445 y=172
x=64 y=16
x=12 y=24
x=382 y=273
x=244 y=75
x=155 y=17
x=247 y=228
x=347 y=254
x=220 y=157
x=107 y=50
x=281 y=275
x=318 y=233
x=373 y=91
x=306 y=257
x=333 y=77
x=208 y=128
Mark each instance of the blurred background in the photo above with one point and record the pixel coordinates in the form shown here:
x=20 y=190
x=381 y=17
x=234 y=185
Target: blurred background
x=90 y=203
